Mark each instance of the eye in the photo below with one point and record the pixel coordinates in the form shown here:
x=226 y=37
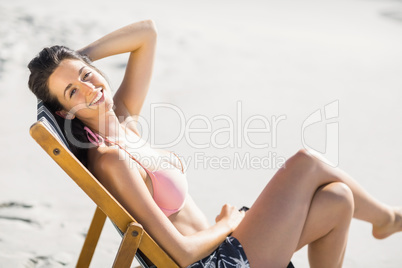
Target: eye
x=86 y=75
x=72 y=92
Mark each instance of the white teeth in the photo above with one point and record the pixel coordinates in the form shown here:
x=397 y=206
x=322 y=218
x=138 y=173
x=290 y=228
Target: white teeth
x=97 y=98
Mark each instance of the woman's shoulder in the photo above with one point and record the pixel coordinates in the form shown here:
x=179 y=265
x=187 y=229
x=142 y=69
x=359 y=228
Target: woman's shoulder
x=105 y=158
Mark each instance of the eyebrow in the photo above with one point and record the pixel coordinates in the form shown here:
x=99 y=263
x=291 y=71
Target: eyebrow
x=70 y=85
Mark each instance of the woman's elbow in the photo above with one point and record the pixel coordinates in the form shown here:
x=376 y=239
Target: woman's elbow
x=184 y=261
x=186 y=256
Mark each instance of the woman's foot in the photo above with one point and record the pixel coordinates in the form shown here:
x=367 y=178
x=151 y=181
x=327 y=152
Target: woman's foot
x=393 y=225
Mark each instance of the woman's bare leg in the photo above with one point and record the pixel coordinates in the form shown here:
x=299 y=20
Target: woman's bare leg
x=393 y=225
x=327 y=225
x=272 y=228
x=385 y=219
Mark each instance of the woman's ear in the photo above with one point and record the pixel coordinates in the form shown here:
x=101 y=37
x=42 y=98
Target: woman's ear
x=65 y=115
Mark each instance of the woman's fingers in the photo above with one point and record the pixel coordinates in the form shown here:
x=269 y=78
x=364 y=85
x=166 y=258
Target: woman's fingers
x=232 y=215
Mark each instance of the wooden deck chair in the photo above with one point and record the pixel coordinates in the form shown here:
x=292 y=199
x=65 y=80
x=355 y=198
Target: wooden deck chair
x=136 y=242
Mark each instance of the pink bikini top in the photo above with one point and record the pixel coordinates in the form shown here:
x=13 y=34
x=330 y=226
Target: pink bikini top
x=169 y=185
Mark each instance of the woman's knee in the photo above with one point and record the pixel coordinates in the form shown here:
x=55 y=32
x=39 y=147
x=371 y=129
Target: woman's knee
x=341 y=198
x=309 y=166
x=306 y=156
x=301 y=162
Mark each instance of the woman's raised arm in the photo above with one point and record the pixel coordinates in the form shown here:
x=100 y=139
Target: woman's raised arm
x=139 y=39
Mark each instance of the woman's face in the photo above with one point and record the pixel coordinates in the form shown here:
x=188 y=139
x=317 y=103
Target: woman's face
x=80 y=89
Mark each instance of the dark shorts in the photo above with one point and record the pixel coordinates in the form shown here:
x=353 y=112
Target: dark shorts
x=228 y=255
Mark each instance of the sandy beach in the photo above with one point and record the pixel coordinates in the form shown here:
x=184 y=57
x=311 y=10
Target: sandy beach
x=321 y=74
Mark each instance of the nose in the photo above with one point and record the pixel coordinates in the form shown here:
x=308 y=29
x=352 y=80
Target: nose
x=87 y=88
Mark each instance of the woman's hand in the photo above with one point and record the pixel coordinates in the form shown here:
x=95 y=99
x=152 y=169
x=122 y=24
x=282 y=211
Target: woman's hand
x=231 y=215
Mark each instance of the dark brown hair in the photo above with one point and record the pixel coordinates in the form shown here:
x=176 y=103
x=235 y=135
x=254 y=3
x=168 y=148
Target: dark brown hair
x=41 y=67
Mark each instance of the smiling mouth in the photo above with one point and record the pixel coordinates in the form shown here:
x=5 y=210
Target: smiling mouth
x=98 y=99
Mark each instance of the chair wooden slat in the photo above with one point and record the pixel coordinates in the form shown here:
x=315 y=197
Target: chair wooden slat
x=101 y=197
x=91 y=240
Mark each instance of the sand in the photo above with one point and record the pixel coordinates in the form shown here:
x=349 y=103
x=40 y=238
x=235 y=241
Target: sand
x=280 y=60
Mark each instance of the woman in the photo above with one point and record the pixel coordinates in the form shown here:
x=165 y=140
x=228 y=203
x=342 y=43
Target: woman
x=306 y=202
